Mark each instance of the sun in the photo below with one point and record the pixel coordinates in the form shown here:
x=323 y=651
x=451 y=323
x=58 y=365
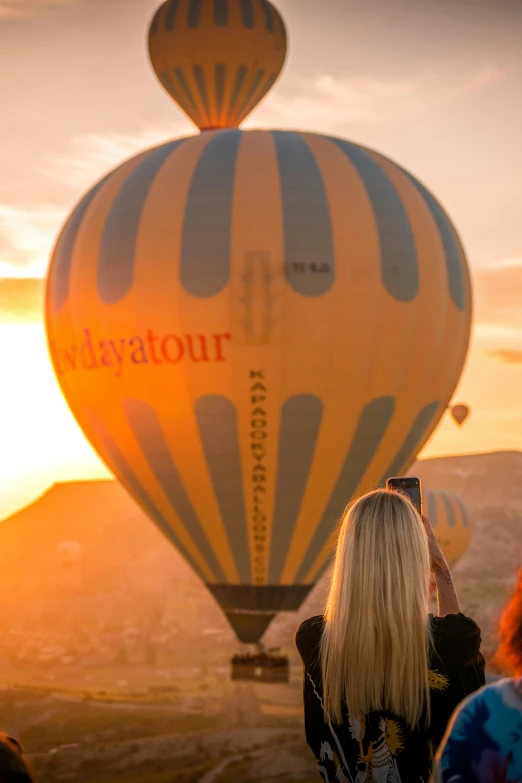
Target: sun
x=41 y=442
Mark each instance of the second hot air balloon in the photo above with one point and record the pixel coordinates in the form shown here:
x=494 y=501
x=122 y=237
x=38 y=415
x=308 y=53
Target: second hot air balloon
x=451 y=523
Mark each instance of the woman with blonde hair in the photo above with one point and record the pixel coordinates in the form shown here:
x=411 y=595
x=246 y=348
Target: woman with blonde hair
x=381 y=675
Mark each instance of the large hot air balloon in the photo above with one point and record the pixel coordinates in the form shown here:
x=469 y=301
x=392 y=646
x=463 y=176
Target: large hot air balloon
x=252 y=327
x=460 y=413
x=451 y=523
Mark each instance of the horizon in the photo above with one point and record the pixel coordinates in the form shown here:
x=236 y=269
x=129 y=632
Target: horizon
x=110 y=479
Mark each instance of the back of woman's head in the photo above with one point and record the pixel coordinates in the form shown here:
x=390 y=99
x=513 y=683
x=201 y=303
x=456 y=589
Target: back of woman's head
x=510 y=651
x=374 y=650
x=13 y=768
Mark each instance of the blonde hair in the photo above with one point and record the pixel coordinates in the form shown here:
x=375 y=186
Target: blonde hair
x=376 y=640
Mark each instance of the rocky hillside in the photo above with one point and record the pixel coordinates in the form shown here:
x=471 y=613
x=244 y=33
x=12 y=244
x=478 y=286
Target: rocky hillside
x=88 y=575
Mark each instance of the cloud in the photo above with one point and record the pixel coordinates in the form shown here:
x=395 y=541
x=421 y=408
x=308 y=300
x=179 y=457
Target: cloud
x=488 y=332
x=506 y=263
x=507 y=355
x=27 y=236
x=479 y=79
x=498 y=315
x=497 y=290
x=21 y=300
x=333 y=102
x=21 y=9
x=91 y=156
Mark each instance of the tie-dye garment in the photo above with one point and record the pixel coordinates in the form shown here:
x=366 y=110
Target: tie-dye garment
x=379 y=747
x=484 y=740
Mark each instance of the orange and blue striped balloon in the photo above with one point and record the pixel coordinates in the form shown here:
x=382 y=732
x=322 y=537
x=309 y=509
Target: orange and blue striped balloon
x=451 y=523
x=251 y=328
x=217 y=58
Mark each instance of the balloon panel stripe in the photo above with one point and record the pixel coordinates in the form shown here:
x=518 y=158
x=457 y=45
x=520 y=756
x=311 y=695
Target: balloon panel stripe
x=170 y=87
x=250 y=94
x=121 y=468
x=459 y=521
x=282 y=28
x=62 y=258
x=241 y=75
x=261 y=598
x=269 y=82
x=188 y=92
x=221 y=12
x=432 y=508
x=463 y=511
x=170 y=17
x=116 y=259
x=300 y=423
x=400 y=274
x=412 y=440
x=155 y=22
x=207 y=226
x=247 y=14
x=450 y=509
x=371 y=428
x=149 y=434
x=194 y=13
x=309 y=245
x=220 y=79
x=199 y=76
x=217 y=421
x=453 y=256
x=269 y=19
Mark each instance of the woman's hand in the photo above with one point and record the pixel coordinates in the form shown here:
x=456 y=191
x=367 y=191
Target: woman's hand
x=438 y=561
x=446 y=594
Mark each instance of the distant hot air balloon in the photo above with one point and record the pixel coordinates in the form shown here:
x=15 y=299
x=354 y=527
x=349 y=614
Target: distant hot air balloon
x=252 y=327
x=450 y=522
x=217 y=59
x=460 y=413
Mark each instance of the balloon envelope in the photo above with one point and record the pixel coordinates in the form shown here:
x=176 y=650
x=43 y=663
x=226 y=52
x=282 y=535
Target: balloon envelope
x=451 y=523
x=252 y=327
x=217 y=58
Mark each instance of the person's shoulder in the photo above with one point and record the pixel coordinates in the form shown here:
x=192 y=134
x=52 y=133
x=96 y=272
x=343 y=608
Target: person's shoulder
x=507 y=691
x=455 y=623
x=308 y=635
x=456 y=637
x=311 y=628
x=482 y=705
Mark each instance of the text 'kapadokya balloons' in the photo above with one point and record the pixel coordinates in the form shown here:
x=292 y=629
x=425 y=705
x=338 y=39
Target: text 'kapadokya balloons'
x=217 y=58
x=450 y=522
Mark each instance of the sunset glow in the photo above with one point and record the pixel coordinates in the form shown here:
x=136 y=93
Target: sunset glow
x=453 y=120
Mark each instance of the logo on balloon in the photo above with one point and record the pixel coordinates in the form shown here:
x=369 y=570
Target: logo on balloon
x=92 y=353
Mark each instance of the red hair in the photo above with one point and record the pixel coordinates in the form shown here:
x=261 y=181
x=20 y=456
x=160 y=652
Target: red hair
x=509 y=653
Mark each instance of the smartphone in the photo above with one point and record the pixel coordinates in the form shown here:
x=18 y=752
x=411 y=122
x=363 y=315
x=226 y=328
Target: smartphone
x=410 y=487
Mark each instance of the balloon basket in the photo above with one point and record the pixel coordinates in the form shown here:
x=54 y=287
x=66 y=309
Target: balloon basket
x=270 y=666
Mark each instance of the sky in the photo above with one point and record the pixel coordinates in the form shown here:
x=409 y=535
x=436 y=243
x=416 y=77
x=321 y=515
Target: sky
x=433 y=84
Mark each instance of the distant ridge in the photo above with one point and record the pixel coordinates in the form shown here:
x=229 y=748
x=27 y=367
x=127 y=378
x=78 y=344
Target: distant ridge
x=130 y=573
